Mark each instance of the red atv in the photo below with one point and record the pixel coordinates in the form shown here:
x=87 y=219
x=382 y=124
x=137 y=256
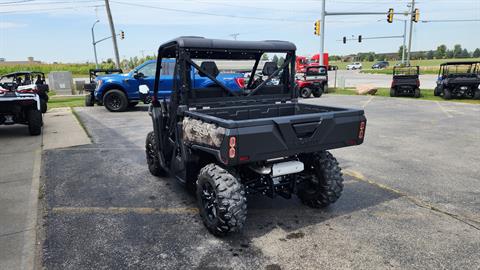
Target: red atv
x=313 y=81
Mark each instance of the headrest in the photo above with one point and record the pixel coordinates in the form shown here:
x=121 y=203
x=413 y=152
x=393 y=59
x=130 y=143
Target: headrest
x=210 y=67
x=269 y=68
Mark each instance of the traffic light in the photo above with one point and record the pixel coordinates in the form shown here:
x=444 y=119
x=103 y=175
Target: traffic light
x=360 y=38
x=390 y=15
x=316 y=28
x=344 y=40
x=416 y=15
x=122 y=35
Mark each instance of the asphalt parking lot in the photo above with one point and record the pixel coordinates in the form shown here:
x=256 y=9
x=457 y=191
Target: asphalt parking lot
x=411 y=200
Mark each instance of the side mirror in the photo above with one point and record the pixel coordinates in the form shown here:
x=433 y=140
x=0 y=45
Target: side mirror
x=138 y=75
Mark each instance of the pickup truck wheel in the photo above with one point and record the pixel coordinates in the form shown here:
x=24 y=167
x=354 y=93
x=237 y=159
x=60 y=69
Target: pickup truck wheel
x=89 y=101
x=34 y=118
x=43 y=105
x=417 y=92
x=115 y=101
x=393 y=92
x=151 y=152
x=323 y=181
x=447 y=94
x=221 y=200
x=305 y=92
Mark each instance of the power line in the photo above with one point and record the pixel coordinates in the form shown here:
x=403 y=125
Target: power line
x=46 y=9
x=451 y=20
x=210 y=13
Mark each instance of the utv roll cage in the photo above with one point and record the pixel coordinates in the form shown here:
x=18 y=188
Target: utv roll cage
x=406 y=71
x=186 y=49
x=474 y=68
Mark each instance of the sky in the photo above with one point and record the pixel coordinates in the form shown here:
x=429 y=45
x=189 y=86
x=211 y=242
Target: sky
x=60 y=30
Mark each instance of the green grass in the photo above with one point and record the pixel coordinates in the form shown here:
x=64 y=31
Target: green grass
x=426 y=66
x=426 y=94
x=58 y=102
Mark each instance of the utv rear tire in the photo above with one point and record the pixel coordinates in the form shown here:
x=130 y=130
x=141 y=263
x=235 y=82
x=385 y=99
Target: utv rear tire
x=437 y=91
x=305 y=92
x=153 y=160
x=417 y=92
x=318 y=92
x=476 y=95
x=115 y=101
x=89 y=100
x=34 y=118
x=393 y=92
x=447 y=94
x=43 y=105
x=221 y=200
x=325 y=183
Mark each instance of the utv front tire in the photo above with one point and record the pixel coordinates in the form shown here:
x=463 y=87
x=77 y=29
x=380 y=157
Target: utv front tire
x=447 y=94
x=318 y=92
x=221 y=200
x=115 y=101
x=153 y=160
x=89 y=100
x=324 y=182
x=34 y=118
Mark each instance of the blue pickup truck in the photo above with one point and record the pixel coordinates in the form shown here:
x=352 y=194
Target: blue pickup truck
x=118 y=92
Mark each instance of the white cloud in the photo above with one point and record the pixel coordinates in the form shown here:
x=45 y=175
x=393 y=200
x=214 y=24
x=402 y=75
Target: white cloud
x=10 y=25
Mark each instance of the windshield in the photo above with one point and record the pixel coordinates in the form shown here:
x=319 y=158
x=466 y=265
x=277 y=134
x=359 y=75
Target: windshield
x=406 y=71
x=460 y=69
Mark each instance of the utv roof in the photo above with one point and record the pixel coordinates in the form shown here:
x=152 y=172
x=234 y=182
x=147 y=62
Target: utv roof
x=223 y=48
x=460 y=63
x=20 y=73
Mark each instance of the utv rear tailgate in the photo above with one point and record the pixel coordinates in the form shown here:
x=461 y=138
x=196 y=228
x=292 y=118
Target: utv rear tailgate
x=301 y=132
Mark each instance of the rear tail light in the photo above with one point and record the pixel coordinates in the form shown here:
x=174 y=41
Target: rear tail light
x=361 y=132
x=232 y=144
x=240 y=82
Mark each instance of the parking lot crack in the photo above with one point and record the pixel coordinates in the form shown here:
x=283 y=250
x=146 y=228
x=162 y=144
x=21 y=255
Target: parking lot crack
x=418 y=202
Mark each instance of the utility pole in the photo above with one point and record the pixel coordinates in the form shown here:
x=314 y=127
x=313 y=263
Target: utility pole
x=235 y=35
x=94 y=44
x=410 y=35
x=321 y=61
x=404 y=41
x=114 y=36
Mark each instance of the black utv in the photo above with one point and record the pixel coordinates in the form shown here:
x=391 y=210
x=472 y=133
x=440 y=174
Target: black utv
x=458 y=80
x=405 y=81
x=224 y=145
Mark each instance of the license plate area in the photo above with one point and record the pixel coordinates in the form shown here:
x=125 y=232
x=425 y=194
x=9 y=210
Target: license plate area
x=288 y=167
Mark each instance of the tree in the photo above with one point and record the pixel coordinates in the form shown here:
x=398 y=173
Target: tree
x=281 y=60
x=449 y=54
x=430 y=54
x=265 y=57
x=476 y=53
x=457 y=50
x=464 y=54
x=441 y=51
x=400 y=52
x=275 y=59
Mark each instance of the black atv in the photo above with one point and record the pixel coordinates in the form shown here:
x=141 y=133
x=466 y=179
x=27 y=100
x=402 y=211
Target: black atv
x=225 y=144
x=92 y=85
x=405 y=81
x=28 y=82
x=20 y=108
x=458 y=80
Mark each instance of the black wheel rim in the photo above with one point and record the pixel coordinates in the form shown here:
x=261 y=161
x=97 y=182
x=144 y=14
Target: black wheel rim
x=114 y=102
x=209 y=201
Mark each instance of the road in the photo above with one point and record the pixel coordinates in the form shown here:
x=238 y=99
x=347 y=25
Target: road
x=411 y=200
x=20 y=156
x=354 y=77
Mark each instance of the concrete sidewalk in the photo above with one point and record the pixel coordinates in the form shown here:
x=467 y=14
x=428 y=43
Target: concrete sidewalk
x=20 y=156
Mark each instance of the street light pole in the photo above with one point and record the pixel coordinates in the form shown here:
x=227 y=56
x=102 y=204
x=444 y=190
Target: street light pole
x=321 y=61
x=404 y=41
x=94 y=44
x=410 y=35
x=114 y=36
